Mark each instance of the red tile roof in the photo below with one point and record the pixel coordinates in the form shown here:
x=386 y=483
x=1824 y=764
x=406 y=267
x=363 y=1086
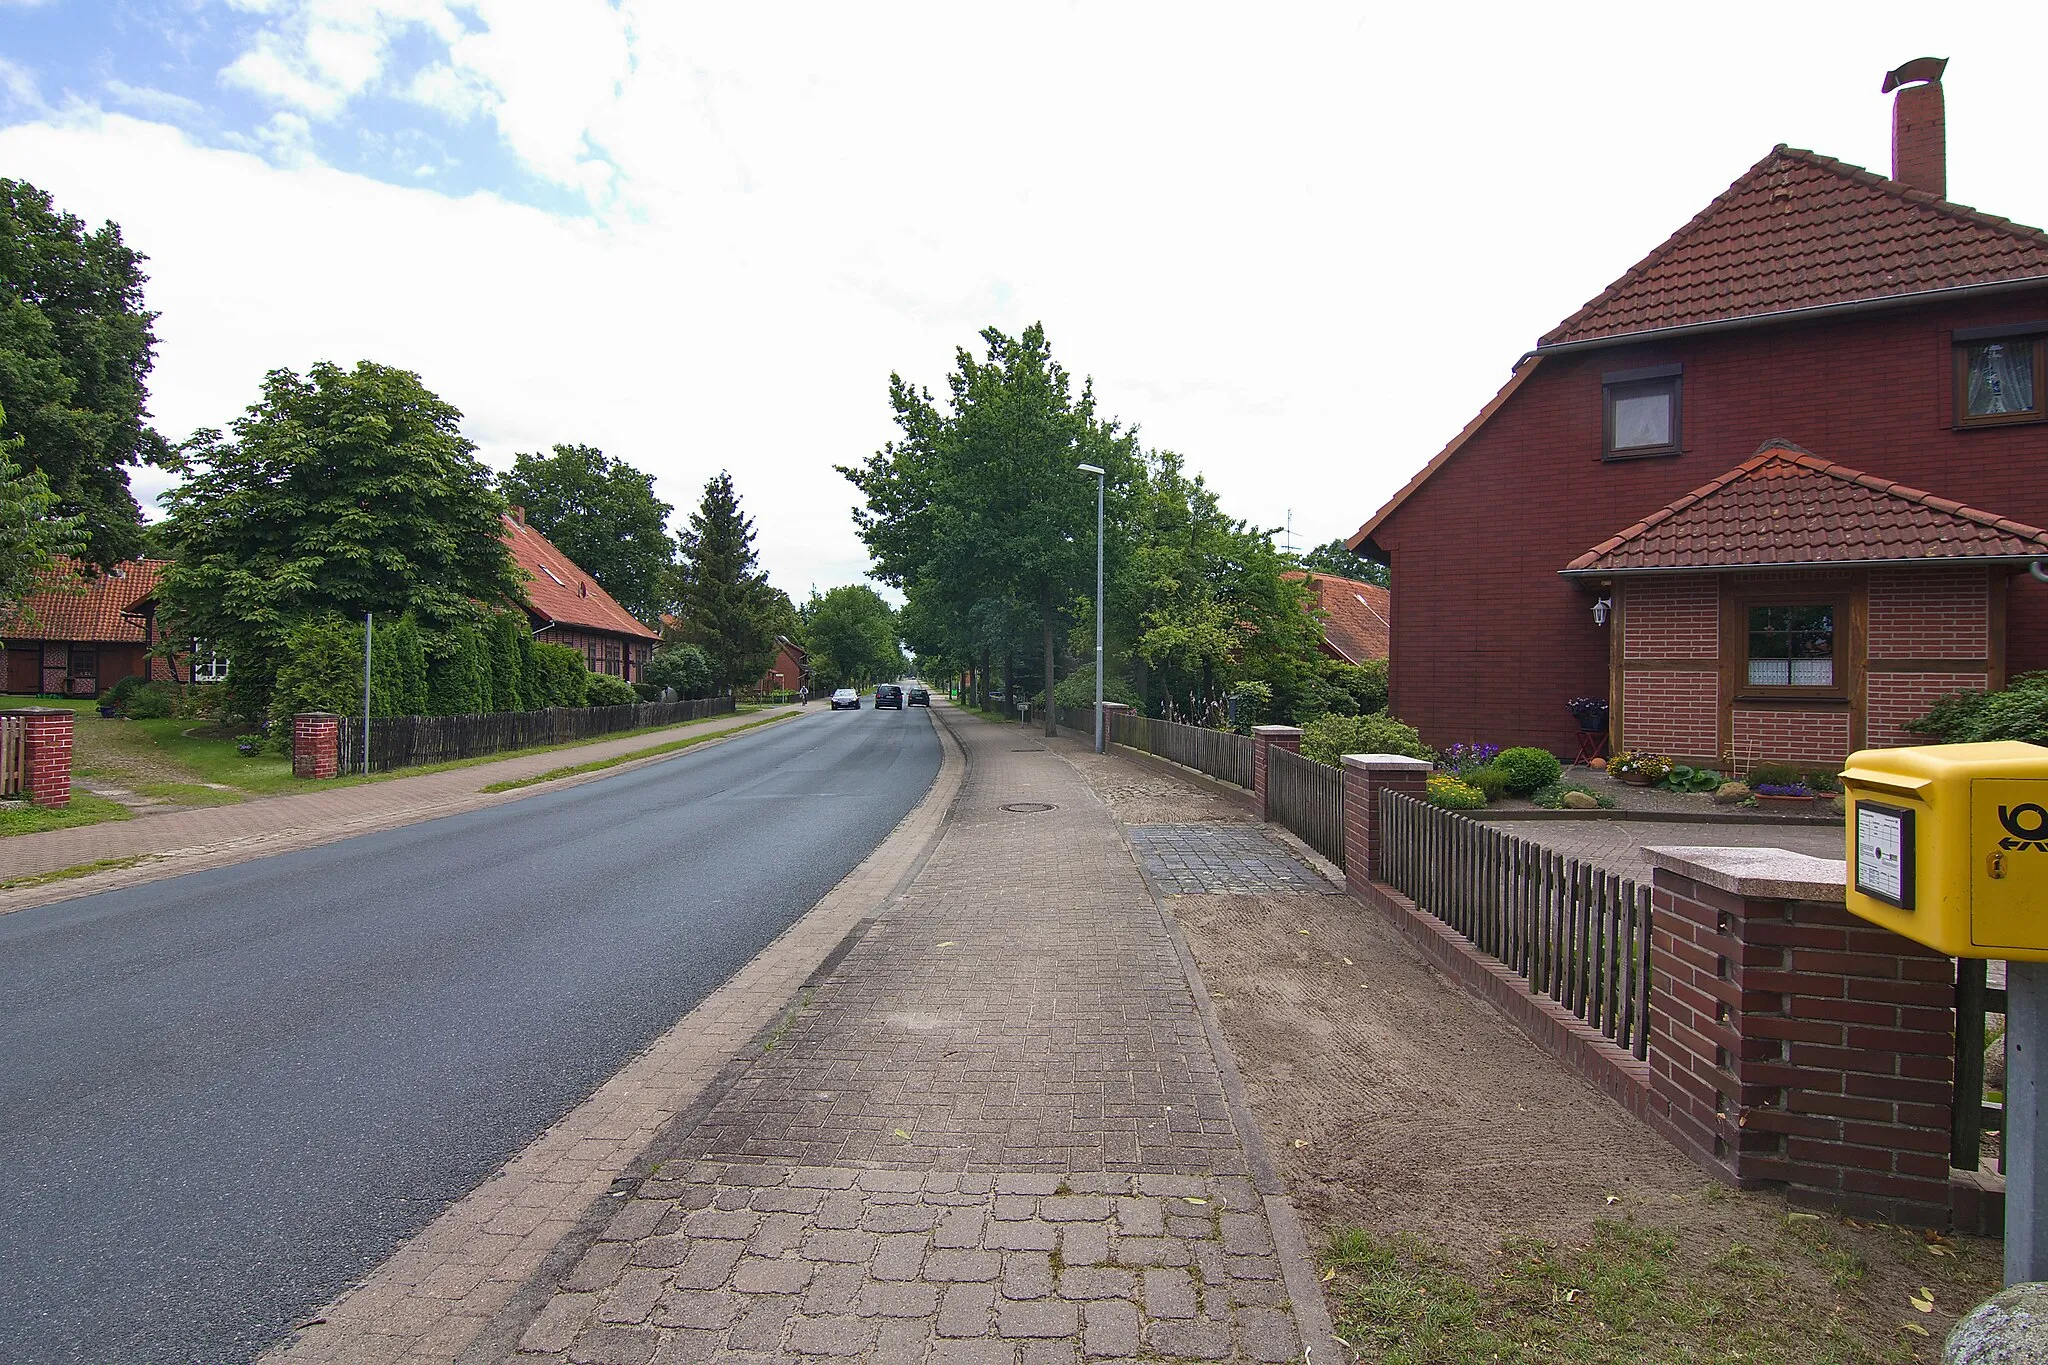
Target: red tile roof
x=70 y=605
x=1354 y=615
x=1786 y=506
x=1801 y=230
x=562 y=592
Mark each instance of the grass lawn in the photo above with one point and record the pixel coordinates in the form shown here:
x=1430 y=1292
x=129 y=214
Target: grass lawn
x=19 y=817
x=1636 y=1293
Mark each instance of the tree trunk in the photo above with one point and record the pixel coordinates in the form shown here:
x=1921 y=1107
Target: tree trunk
x=1010 y=680
x=1142 y=677
x=981 y=682
x=1045 y=620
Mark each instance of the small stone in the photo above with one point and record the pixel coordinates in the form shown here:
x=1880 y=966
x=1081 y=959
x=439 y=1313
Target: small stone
x=1039 y=1318
x=1731 y=794
x=1112 y=1329
x=1580 y=801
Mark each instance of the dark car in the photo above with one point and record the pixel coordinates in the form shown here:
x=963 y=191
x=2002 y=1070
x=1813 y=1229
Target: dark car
x=847 y=699
x=920 y=697
x=888 y=695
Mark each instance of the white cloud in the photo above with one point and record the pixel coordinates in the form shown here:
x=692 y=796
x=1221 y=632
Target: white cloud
x=18 y=83
x=1302 y=251
x=157 y=103
x=320 y=54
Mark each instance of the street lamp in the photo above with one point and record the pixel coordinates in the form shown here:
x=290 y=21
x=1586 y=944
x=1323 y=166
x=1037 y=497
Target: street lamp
x=1100 y=480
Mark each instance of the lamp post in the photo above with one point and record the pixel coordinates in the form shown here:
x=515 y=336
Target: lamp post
x=1100 y=480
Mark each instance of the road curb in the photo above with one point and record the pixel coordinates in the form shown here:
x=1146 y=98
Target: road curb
x=432 y=1300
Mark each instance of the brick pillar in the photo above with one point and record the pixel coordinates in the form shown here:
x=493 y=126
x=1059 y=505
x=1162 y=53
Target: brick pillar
x=1793 y=1043
x=47 y=741
x=1110 y=711
x=1365 y=777
x=1266 y=738
x=316 y=744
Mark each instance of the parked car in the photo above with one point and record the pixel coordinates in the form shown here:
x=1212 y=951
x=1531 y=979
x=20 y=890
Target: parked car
x=920 y=697
x=846 y=699
x=889 y=694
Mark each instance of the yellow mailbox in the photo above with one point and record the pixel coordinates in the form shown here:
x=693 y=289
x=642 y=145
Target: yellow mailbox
x=1948 y=846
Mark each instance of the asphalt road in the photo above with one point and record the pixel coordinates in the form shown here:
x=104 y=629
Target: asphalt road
x=223 y=1096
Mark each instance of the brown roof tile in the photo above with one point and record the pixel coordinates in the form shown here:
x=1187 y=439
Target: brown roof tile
x=562 y=592
x=1801 y=230
x=69 y=604
x=1354 y=615
x=1785 y=505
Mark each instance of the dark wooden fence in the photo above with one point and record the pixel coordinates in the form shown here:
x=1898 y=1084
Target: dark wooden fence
x=1222 y=754
x=408 y=741
x=13 y=755
x=1572 y=930
x=1968 y=1122
x=1308 y=798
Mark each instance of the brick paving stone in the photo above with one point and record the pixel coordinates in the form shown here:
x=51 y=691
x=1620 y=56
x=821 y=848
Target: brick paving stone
x=996 y=1131
x=1193 y=860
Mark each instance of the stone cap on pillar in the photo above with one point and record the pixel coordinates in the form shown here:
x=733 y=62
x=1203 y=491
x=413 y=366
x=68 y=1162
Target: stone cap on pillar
x=316 y=715
x=1118 y=706
x=38 y=711
x=1388 y=763
x=1277 y=731
x=1775 y=874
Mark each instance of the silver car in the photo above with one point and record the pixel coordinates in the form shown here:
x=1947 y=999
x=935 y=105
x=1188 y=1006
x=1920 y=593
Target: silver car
x=846 y=699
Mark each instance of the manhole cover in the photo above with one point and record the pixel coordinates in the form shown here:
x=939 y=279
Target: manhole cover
x=1027 y=807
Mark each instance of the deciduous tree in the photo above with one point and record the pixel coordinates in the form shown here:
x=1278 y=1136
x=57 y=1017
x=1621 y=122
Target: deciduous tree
x=1335 y=557
x=32 y=534
x=850 y=633
x=603 y=514
x=76 y=345
x=339 y=492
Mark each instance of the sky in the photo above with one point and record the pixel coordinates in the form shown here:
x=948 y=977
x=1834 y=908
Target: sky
x=1300 y=244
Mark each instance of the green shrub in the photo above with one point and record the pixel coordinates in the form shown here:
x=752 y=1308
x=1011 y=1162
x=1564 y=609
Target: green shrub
x=1683 y=778
x=1491 y=779
x=1328 y=738
x=560 y=676
x=1824 y=780
x=2020 y=711
x=1775 y=775
x=1453 y=793
x=120 y=692
x=1527 y=769
x=686 y=668
x=151 y=701
x=1355 y=689
x=602 y=689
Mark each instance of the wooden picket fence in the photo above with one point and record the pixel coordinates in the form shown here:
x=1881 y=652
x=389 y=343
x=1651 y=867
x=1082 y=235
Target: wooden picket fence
x=1223 y=754
x=1308 y=798
x=409 y=741
x=1574 y=931
x=13 y=755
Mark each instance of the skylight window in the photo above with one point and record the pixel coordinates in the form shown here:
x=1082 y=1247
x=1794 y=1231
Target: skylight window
x=551 y=574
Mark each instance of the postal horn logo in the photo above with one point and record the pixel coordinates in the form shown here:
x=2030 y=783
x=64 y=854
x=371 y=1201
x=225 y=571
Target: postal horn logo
x=2026 y=827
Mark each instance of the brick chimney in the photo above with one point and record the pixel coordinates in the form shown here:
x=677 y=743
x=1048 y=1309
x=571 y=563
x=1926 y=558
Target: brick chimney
x=1919 y=135
x=518 y=514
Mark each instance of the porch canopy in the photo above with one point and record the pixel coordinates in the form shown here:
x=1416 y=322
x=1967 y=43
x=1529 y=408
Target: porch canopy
x=1795 y=610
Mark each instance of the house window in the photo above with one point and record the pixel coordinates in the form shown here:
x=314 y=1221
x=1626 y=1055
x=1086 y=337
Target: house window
x=1642 y=412
x=208 y=666
x=1998 y=380
x=1792 y=647
x=611 y=658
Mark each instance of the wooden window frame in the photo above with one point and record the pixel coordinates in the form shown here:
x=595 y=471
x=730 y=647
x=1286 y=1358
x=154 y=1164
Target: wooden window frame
x=1960 y=345
x=1835 y=600
x=1631 y=383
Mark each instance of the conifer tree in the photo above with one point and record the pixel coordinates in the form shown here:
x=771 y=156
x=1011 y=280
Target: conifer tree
x=723 y=600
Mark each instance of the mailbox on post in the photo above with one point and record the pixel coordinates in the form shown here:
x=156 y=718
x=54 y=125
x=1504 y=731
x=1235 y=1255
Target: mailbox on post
x=1948 y=846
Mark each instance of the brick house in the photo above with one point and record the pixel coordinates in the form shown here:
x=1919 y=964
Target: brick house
x=1354 y=616
x=791 y=669
x=78 y=634
x=1770 y=493
x=567 y=606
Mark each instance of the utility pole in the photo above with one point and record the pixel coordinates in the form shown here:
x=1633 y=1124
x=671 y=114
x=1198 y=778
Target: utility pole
x=369 y=630
x=1100 y=480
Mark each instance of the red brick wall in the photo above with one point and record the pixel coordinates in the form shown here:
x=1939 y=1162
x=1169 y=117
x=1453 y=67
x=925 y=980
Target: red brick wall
x=1930 y=614
x=1489 y=642
x=1676 y=618
x=1896 y=698
x=1672 y=713
x=1762 y=735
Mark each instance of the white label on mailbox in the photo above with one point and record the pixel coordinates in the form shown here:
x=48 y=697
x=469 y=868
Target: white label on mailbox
x=1880 y=853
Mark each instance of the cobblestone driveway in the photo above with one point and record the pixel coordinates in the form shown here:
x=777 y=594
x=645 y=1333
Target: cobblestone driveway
x=1240 y=860
x=996 y=1133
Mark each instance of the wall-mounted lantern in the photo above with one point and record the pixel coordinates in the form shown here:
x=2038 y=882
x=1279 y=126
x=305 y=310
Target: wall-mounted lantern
x=1600 y=610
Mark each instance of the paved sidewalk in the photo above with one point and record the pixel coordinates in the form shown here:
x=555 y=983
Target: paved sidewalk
x=999 y=1131
x=214 y=835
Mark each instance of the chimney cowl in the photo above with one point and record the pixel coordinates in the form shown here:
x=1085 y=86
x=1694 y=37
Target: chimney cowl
x=1919 y=125
x=518 y=514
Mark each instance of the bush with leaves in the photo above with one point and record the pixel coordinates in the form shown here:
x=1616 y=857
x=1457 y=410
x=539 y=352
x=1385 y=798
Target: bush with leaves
x=1453 y=793
x=684 y=667
x=1552 y=796
x=560 y=677
x=151 y=701
x=2019 y=711
x=1328 y=738
x=1528 y=769
x=1490 y=778
x=602 y=689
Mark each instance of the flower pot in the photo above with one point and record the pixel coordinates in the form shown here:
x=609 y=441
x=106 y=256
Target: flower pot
x=1785 y=802
x=1633 y=779
x=109 y=712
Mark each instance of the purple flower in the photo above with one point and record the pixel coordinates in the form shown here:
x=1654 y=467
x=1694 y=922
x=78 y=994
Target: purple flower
x=1783 y=789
